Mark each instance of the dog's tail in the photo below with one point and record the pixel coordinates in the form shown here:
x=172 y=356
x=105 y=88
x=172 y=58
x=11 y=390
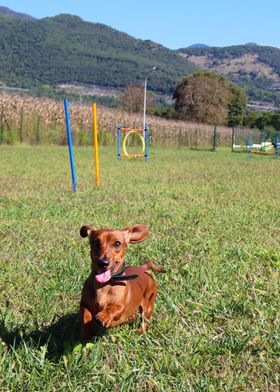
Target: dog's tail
x=150 y=265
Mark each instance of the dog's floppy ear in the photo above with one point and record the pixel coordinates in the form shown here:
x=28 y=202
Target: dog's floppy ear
x=135 y=233
x=85 y=231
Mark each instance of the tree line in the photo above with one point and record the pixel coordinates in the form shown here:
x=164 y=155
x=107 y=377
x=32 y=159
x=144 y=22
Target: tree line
x=205 y=97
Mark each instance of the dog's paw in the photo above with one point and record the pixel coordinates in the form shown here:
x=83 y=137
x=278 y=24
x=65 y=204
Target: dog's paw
x=131 y=318
x=104 y=319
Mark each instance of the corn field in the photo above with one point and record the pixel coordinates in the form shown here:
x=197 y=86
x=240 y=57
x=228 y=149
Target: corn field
x=32 y=120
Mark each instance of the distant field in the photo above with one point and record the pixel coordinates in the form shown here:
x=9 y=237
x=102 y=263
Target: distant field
x=215 y=228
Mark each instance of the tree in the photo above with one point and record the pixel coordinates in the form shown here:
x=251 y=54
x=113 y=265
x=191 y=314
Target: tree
x=251 y=119
x=202 y=97
x=209 y=97
x=275 y=120
x=237 y=106
x=133 y=98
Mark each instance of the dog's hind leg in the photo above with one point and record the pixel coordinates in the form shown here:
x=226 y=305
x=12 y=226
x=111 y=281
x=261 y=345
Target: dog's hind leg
x=146 y=310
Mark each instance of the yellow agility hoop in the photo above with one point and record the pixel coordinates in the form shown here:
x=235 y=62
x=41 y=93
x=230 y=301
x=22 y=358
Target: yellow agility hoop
x=125 y=141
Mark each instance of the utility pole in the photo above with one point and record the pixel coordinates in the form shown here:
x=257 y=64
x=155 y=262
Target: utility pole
x=145 y=97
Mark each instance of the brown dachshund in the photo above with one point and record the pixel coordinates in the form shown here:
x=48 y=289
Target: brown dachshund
x=113 y=293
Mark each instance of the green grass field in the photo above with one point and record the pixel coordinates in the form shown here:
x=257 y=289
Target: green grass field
x=215 y=228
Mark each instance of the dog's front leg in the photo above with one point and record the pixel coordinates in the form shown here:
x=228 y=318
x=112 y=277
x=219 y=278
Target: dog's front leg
x=88 y=322
x=106 y=316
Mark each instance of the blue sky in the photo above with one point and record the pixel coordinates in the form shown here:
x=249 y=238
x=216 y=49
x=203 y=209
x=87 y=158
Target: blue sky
x=172 y=23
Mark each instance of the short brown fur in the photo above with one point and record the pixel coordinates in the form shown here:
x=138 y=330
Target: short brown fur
x=116 y=302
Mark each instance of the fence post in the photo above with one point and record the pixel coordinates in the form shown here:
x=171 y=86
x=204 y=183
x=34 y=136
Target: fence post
x=249 y=146
x=276 y=146
x=38 y=130
x=53 y=131
x=232 y=139
x=1 y=128
x=21 y=126
x=119 y=141
x=214 y=138
x=180 y=138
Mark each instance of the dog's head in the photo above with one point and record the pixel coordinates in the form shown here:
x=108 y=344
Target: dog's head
x=108 y=248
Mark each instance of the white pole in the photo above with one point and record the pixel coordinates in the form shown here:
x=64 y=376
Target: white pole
x=145 y=101
x=145 y=104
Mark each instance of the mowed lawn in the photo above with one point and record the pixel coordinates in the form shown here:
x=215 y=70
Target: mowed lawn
x=214 y=226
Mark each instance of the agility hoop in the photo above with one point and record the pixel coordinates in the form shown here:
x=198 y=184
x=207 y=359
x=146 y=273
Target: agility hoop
x=126 y=153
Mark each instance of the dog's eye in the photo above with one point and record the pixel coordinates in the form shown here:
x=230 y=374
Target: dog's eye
x=117 y=244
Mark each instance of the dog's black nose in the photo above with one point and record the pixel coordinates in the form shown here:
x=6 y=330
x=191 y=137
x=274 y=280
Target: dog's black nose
x=103 y=263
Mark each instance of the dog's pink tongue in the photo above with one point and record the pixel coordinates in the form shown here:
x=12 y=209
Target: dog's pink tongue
x=104 y=277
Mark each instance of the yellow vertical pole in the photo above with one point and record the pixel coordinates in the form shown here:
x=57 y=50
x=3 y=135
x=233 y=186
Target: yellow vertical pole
x=95 y=145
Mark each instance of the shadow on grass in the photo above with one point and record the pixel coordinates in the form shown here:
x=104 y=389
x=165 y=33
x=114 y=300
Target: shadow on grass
x=211 y=149
x=60 y=337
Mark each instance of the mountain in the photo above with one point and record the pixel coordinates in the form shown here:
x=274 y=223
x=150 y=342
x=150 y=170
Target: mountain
x=4 y=11
x=254 y=67
x=66 y=49
x=199 y=46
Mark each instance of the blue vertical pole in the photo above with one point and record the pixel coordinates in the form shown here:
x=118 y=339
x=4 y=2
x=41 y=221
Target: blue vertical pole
x=119 y=141
x=70 y=147
x=276 y=146
x=250 y=145
x=146 y=142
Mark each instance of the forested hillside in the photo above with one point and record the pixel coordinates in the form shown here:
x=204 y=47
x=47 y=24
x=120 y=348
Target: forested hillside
x=256 y=68
x=65 y=49
x=5 y=11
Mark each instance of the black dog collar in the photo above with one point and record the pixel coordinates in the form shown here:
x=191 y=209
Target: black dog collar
x=119 y=275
